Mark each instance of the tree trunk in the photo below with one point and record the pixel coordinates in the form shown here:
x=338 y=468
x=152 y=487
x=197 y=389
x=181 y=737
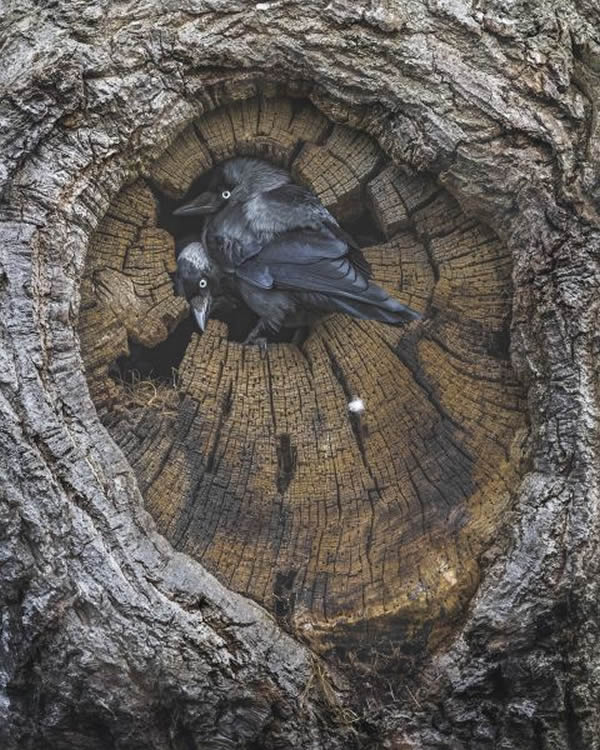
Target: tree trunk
x=231 y=559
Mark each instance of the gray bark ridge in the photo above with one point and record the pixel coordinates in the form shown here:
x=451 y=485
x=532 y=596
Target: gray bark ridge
x=110 y=636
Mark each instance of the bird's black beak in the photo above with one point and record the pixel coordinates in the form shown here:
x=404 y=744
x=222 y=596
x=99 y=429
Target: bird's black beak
x=205 y=203
x=201 y=307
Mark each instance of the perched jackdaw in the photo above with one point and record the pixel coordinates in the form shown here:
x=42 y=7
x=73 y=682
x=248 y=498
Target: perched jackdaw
x=281 y=249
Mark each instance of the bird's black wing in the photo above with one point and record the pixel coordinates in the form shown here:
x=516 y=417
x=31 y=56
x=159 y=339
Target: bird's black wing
x=301 y=209
x=231 y=252
x=314 y=267
x=309 y=261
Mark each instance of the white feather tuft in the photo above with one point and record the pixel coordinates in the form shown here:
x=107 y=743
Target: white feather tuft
x=356 y=406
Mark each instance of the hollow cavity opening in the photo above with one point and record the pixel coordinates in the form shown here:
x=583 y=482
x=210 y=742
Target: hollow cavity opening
x=263 y=470
x=158 y=363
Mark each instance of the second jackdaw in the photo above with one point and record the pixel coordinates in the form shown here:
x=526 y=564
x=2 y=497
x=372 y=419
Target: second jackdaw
x=282 y=251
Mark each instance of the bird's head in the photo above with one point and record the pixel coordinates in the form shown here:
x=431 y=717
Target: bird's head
x=235 y=181
x=197 y=280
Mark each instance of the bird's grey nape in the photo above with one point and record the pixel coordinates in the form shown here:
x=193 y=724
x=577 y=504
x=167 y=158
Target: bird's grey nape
x=257 y=175
x=195 y=254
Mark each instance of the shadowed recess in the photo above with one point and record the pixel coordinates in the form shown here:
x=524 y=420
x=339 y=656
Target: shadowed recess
x=360 y=531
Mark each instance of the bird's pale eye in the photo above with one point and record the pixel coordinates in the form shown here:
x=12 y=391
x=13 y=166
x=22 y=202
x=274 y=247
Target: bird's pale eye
x=202 y=283
x=226 y=194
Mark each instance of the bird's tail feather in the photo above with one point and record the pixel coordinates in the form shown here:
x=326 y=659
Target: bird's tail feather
x=388 y=311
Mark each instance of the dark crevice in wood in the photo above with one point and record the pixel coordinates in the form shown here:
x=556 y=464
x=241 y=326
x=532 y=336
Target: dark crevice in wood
x=296 y=150
x=360 y=432
x=286 y=462
x=421 y=205
x=3 y=281
x=426 y=240
x=363 y=229
x=210 y=461
x=158 y=363
x=269 y=385
x=499 y=684
x=228 y=401
x=353 y=418
x=177 y=226
x=284 y=594
x=497 y=344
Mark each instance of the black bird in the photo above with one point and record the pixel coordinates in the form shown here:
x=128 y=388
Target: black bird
x=281 y=250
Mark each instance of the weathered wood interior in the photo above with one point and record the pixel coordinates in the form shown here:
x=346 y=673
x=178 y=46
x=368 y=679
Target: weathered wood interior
x=341 y=524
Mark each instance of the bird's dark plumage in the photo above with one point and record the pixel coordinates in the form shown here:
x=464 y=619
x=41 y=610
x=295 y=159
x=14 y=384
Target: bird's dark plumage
x=286 y=254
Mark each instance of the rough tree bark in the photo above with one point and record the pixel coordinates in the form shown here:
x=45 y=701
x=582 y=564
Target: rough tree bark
x=112 y=638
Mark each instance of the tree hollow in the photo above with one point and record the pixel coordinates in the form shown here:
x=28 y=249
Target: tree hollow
x=342 y=524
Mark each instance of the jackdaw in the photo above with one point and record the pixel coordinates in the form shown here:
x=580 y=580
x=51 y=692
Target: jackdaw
x=280 y=249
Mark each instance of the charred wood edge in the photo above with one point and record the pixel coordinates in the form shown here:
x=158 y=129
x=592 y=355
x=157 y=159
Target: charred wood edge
x=72 y=508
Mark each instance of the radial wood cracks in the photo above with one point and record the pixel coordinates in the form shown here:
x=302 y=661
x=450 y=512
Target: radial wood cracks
x=336 y=522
